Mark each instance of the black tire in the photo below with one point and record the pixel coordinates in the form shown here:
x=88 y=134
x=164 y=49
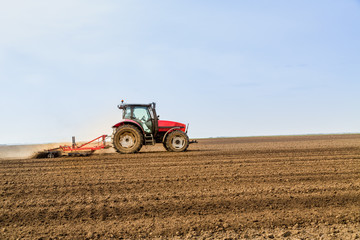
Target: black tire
x=164 y=144
x=177 y=141
x=127 y=139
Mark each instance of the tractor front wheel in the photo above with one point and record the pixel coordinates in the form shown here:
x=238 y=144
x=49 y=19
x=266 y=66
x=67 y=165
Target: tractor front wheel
x=176 y=141
x=127 y=139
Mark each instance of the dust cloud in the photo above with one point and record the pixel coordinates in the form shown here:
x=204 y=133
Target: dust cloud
x=24 y=151
x=29 y=151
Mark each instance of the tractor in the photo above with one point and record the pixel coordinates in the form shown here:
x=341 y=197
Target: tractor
x=141 y=126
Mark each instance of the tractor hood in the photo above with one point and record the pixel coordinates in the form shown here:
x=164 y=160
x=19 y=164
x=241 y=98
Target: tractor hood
x=164 y=125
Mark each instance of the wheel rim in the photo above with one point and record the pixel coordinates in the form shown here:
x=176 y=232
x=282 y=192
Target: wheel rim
x=178 y=142
x=127 y=140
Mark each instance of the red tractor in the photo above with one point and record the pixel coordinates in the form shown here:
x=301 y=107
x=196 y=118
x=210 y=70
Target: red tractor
x=141 y=126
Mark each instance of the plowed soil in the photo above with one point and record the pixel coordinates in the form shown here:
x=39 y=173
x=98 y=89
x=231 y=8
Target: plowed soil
x=296 y=187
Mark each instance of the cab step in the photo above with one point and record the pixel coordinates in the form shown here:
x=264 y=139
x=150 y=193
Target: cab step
x=149 y=139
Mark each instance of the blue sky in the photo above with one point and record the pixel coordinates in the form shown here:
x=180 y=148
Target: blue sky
x=229 y=68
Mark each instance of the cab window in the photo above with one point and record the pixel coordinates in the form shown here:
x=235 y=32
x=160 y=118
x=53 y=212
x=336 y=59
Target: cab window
x=141 y=113
x=127 y=113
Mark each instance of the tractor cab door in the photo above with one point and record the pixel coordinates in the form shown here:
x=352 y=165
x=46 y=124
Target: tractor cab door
x=141 y=114
x=154 y=119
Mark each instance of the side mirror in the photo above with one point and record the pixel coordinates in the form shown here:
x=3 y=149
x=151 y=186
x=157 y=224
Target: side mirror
x=158 y=116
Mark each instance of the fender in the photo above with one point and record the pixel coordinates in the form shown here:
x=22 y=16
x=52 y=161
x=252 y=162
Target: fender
x=128 y=121
x=169 y=131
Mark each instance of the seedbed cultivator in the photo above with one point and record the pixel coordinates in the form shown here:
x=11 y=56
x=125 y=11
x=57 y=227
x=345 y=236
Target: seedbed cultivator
x=85 y=149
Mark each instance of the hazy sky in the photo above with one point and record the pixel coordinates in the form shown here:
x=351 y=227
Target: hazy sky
x=229 y=68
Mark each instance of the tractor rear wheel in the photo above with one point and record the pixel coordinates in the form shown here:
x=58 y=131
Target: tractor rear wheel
x=176 y=141
x=127 y=139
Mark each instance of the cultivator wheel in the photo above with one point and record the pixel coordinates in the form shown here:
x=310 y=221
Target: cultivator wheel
x=127 y=139
x=48 y=154
x=176 y=141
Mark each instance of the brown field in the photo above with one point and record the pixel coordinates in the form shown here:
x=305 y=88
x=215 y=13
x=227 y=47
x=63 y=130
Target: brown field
x=295 y=187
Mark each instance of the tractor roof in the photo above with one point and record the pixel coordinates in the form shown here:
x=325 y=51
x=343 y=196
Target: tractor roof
x=122 y=106
x=140 y=105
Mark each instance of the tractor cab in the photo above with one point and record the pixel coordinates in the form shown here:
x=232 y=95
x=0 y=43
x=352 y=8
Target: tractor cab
x=143 y=114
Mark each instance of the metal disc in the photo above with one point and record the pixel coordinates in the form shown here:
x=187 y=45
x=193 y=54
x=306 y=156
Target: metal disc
x=127 y=141
x=178 y=142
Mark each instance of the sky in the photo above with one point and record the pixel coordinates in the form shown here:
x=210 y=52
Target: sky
x=228 y=68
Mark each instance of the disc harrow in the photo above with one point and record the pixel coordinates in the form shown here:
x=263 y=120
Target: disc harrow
x=85 y=149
